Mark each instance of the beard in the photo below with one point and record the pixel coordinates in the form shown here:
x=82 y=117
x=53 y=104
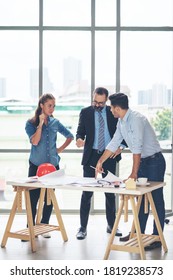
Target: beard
x=98 y=108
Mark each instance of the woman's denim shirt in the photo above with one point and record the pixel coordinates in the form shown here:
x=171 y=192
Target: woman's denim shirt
x=46 y=150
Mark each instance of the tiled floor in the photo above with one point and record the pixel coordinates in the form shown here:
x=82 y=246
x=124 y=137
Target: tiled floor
x=92 y=248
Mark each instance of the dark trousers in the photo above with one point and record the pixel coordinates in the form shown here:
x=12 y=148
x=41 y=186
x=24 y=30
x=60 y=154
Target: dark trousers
x=34 y=197
x=110 y=165
x=154 y=169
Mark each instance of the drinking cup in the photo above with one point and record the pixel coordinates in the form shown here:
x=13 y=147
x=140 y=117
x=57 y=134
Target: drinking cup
x=142 y=181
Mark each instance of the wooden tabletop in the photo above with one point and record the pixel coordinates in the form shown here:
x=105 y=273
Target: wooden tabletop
x=140 y=190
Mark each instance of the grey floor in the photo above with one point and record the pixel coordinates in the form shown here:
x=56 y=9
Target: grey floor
x=92 y=248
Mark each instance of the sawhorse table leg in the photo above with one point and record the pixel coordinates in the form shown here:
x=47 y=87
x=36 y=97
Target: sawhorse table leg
x=137 y=241
x=157 y=222
x=51 y=198
x=30 y=220
x=135 y=227
x=32 y=231
x=112 y=236
x=17 y=205
x=58 y=215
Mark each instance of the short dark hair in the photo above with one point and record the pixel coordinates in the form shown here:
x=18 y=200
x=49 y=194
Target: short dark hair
x=119 y=99
x=101 y=91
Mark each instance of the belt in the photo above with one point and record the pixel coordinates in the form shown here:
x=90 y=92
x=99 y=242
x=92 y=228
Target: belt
x=97 y=151
x=153 y=156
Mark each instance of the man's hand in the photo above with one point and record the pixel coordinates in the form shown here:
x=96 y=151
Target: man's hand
x=99 y=169
x=100 y=162
x=133 y=176
x=80 y=142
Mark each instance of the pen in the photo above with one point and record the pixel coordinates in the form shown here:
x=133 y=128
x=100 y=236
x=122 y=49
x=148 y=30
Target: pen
x=95 y=169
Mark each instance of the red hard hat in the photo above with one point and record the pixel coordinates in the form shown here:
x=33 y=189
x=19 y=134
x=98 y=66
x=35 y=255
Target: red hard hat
x=45 y=168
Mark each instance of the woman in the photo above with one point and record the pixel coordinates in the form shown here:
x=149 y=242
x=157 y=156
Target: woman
x=42 y=131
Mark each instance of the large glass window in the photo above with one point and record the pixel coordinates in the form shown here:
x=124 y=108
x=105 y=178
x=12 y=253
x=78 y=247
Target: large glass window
x=67 y=73
x=105 y=13
x=19 y=63
x=67 y=12
x=146 y=76
x=68 y=48
x=18 y=84
x=67 y=65
x=19 y=12
x=146 y=13
x=105 y=57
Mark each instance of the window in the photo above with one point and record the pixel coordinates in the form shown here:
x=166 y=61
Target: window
x=146 y=13
x=146 y=76
x=67 y=65
x=105 y=59
x=67 y=12
x=105 y=13
x=19 y=12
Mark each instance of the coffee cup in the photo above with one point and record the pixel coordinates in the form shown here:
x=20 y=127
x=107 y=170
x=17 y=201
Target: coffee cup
x=142 y=181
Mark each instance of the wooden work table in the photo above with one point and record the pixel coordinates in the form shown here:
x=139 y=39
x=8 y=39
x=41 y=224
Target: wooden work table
x=137 y=241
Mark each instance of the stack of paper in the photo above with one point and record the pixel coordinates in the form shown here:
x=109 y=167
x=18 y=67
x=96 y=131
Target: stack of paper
x=60 y=178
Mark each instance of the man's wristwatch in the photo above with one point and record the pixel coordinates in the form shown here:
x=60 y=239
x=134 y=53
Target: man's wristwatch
x=121 y=147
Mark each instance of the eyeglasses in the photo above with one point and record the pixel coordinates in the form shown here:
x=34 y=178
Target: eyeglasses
x=103 y=182
x=99 y=103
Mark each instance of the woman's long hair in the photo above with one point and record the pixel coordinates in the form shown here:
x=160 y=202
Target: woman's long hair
x=43 y=99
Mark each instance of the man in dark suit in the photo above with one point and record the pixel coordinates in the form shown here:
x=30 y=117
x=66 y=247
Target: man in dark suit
x=87 y=136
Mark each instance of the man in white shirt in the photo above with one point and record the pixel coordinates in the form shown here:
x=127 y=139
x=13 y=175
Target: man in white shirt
x=148 y=160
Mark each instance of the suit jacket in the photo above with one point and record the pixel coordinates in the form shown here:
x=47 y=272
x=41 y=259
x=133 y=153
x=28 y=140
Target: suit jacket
x=86 y=130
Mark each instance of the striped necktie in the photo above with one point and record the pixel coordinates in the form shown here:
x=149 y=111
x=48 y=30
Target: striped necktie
x=101 y=137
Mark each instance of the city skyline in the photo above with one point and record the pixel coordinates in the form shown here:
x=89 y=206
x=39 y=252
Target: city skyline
x=75 y=89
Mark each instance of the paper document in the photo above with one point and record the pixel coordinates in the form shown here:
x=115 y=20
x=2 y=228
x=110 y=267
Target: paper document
x=33 y=179
x=59 y=177
x=110 y=177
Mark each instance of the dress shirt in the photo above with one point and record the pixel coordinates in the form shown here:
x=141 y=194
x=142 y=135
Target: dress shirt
x=139 y=135
x=46 y=150
x=106 y=131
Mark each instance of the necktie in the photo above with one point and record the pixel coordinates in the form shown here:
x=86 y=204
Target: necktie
x=101 y=138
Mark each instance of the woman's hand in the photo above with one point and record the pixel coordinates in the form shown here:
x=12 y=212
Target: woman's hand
x=63 y=146
x=42 y=118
